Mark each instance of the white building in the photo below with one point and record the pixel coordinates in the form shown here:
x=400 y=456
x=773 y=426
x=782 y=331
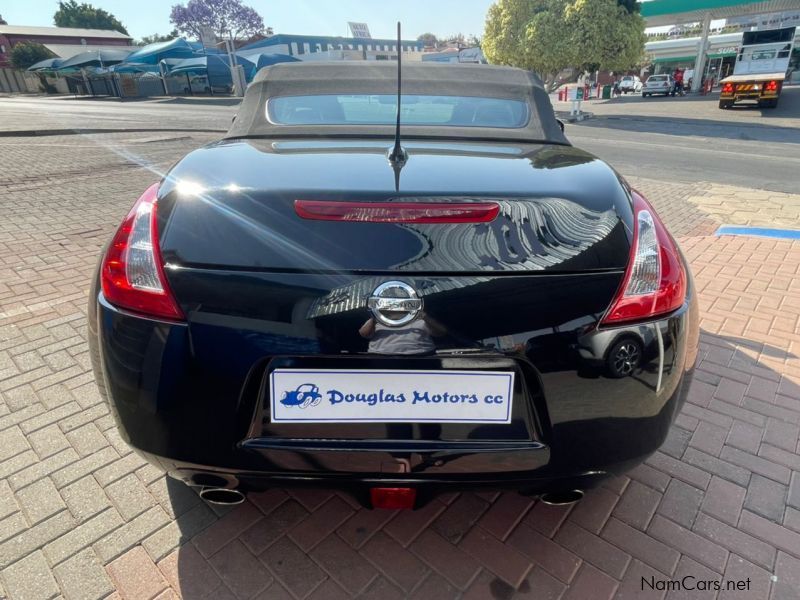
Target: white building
x=667 y=55
x=314 y=47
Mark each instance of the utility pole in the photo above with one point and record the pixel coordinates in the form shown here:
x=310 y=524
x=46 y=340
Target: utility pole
x=700 y=62
x=237 y=71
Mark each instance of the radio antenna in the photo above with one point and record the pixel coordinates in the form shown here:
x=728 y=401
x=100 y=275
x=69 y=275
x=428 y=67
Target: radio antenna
x=398 y=156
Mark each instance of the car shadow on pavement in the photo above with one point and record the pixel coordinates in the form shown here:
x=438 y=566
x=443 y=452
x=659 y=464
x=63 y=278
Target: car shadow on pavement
x=199 y=100
x=204 y=100
x=788 y=103
x=689 y=127
x=688 y=97
x=287 y=543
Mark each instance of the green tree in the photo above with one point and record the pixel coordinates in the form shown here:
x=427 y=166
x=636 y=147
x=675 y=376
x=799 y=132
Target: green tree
x=72 y=14
x=547 y=36
x=504 y=37
x=610 y=37
x=429 y=40
x=548 y=46
x=157 y=37
x=630 y=5
x=25 y=54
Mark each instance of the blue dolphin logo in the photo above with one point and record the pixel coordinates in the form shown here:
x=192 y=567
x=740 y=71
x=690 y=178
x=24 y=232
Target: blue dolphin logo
x=306 y=394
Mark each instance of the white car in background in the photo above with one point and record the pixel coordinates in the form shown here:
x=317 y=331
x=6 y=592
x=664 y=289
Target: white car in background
x=659 y=84
x=630 y=83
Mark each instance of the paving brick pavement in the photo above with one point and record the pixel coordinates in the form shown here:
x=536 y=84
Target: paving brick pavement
x=81 y=516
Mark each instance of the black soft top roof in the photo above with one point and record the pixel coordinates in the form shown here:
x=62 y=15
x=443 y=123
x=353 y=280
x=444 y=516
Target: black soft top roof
x=380 y=77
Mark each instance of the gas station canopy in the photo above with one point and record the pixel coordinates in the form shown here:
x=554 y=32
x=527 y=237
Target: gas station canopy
x=672 y=12
x=658 y=13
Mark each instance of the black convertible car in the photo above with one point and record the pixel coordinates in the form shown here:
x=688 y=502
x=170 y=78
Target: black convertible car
x=309 y=303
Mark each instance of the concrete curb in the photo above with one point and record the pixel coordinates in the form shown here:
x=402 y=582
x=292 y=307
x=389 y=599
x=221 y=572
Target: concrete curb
x=568 y=118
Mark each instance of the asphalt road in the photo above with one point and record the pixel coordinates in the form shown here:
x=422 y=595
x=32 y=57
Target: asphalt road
x=681 y=140
x=631 y=148
x=690 y=139
x=42 y=113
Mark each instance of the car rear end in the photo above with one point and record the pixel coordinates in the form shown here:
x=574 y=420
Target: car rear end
x=212 y=301
x=763 y=90
x=658 y=84
x=627 y=84
x=293 y=311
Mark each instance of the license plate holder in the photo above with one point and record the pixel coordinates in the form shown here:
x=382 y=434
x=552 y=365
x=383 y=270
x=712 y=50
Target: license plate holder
x=387 y=396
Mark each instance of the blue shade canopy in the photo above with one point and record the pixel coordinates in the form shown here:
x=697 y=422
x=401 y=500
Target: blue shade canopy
x=262 y=59
x=215 y=66
x=46 y=64
x=94 y=58
x=153 y=53
x=132 y=67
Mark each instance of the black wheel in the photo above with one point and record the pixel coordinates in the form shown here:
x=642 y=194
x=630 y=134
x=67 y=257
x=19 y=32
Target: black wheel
x=771 y=103
x=623 y=358
x=724 y=104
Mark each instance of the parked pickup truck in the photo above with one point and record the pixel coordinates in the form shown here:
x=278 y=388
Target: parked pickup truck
x=760 y=68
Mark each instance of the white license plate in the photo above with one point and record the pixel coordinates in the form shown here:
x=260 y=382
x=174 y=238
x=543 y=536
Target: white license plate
x=374 y=396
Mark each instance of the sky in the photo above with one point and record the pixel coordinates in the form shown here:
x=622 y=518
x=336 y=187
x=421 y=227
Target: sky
x=311 y=17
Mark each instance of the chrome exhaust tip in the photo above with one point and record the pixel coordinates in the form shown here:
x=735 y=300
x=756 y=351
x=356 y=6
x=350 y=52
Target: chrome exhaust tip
x=562 y=498
x=222 y=496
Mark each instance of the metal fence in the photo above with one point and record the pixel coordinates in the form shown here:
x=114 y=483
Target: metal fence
x=140 y=85
x=120 y=85
x=17 y=81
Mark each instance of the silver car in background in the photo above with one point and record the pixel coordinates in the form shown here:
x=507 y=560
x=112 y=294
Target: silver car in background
x=659 y=84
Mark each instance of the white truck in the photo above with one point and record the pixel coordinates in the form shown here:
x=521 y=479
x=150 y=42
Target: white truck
x=760 y=69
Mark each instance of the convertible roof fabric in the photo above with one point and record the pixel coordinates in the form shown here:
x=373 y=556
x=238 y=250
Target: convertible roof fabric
x=373 y=77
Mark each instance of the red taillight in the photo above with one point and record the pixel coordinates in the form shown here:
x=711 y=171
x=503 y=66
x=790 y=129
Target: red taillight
x=132 y=274
x=655 y=281
x=727 y=88
x=397 y=212
x=772 y=86
x=393 y=498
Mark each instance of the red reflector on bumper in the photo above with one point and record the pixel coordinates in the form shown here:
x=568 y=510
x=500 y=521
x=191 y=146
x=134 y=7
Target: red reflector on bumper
x=397 y=212
x=393 y=498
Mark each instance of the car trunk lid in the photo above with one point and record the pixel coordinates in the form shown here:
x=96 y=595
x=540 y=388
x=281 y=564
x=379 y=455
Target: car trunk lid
x=558 y=209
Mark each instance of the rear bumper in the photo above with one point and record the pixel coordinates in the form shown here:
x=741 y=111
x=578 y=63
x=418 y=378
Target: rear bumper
x=744 y=90
x=359 y=486
x=201 y=417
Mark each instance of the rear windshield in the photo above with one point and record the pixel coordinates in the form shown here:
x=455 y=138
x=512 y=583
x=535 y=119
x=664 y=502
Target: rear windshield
x=658 y=78
x=456 y=111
